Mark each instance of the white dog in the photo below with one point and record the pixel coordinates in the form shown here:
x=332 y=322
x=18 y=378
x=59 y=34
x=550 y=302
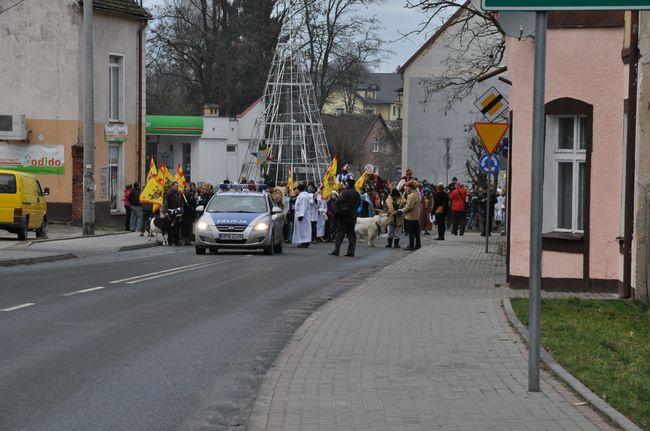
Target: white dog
x=159 y=225
x=369 y=228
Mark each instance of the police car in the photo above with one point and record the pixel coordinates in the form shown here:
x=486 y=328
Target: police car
x=239 y=219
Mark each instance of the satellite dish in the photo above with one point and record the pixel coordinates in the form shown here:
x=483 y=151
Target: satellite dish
x=517 y=24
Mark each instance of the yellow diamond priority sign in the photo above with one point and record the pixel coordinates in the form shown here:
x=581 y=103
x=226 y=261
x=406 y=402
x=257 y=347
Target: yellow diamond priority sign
x=490 y=134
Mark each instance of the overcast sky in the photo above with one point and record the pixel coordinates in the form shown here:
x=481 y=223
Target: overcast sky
x=394 y=19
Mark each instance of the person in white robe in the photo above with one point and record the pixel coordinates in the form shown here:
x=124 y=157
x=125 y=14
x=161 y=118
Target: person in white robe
x=314 y=212
x=302 y=219
x=322 y=217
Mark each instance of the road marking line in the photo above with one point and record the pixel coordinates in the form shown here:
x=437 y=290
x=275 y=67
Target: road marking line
x=178 y=271
x=153 y=277
x=83 y=291
x=18 y=307
x=154 y=273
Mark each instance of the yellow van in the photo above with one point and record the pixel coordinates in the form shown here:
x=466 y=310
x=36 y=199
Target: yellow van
x=22 y=204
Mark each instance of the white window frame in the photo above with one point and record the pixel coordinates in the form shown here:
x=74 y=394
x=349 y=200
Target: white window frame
x=120 y=66
x=554 y=156
x=375 y=145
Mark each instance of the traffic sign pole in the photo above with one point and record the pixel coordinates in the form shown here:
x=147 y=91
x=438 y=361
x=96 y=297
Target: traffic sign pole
x=488 y=218
x=536 y=203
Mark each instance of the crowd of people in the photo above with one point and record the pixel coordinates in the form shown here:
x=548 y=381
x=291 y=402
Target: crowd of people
x=179 y=204
x=412 y=208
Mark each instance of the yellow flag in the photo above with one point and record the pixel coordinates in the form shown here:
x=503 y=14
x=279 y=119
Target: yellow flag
x=154 y=191
x=329 y=179
x=179 y=177
x=163 y=174
x=361 y=181
x=290 y=181
x=152 y=169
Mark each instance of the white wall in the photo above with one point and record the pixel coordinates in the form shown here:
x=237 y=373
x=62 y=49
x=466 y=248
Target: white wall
x=39 y=62
x=427 y=123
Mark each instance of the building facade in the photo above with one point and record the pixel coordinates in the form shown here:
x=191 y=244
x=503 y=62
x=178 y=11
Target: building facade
x=435 y=134
x=380 y=94
x=365 y=142
x=41 y=80
x=586 y=89
x=209 y=148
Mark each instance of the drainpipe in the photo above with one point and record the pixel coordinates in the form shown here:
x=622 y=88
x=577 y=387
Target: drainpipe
x=626 y=290
x=139 y=149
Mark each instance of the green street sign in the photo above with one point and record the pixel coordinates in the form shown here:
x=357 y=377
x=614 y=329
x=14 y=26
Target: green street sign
x=567 y=5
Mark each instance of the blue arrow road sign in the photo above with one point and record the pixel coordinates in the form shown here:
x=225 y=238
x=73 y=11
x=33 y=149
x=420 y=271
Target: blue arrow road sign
x=494 y=164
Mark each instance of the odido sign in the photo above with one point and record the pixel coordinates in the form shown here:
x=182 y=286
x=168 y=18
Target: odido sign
x=35 y=159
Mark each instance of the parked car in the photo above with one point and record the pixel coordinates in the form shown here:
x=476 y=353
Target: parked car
x=22 y=204
x=240 y=220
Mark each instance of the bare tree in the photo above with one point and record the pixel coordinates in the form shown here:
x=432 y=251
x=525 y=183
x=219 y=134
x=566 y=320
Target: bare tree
x=477 y=40
x=337 y=39
x=218 y=50
x=474 y=152
x=349 y=84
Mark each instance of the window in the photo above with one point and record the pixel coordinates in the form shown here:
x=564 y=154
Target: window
x=187 y=161
x=7 y=183
x=565 y=173
x=237 y=204
x=339 y=112
x=231 y=148
x=375 y=145
x=394 y=110
x=370 y=112
x=115 y=176
x=115 y=88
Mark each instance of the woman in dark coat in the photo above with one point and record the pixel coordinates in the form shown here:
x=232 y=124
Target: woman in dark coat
x=440 y=210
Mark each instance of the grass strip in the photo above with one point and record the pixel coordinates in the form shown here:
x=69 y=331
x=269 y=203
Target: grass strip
x=604 y=344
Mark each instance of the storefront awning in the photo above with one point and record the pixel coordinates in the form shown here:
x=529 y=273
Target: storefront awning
x=174 y=125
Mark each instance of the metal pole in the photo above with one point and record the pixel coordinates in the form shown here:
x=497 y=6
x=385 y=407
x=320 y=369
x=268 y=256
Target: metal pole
x=488 y=216
x=536 y=202
x=89 y=123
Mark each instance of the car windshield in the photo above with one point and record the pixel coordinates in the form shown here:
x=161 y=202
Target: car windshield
x=237 y=204
x=7 y=183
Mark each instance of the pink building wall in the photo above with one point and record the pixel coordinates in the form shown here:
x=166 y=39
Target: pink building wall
x=583 y=64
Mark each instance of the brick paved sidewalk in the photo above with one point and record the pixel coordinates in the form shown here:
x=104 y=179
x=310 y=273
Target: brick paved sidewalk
x=423 y=345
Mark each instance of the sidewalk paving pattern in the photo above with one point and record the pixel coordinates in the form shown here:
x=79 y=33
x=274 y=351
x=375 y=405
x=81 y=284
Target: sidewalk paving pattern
x=422 y=345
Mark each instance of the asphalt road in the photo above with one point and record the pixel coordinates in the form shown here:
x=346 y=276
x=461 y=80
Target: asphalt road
x=113 y=343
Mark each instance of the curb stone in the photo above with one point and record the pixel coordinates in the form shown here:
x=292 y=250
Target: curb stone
x=40 y=259
x=38 y=241
x=139 y=246
x=598 y=403
x=258 y=418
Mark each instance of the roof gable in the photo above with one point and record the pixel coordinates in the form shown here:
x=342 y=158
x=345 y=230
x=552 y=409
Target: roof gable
x=441 y=30
x=388 y=85
x=122 y=7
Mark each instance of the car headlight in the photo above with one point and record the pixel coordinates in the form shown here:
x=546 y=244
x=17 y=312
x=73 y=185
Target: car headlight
x=202 y=225
x=261 y=226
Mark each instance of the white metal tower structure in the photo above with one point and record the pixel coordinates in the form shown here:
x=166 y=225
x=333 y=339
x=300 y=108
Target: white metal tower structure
x=288 y=132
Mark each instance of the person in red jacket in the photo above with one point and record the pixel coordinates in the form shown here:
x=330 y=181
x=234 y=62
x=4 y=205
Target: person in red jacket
x=458 y=198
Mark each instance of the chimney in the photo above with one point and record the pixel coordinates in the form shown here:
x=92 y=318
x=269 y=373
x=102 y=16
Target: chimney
x=211 y=110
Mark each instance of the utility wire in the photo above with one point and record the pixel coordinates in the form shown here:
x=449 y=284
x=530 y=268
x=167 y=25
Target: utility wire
x=12 y=6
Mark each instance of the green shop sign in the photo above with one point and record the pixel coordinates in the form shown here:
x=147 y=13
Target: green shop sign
x=174 y=125
x=542 y=5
